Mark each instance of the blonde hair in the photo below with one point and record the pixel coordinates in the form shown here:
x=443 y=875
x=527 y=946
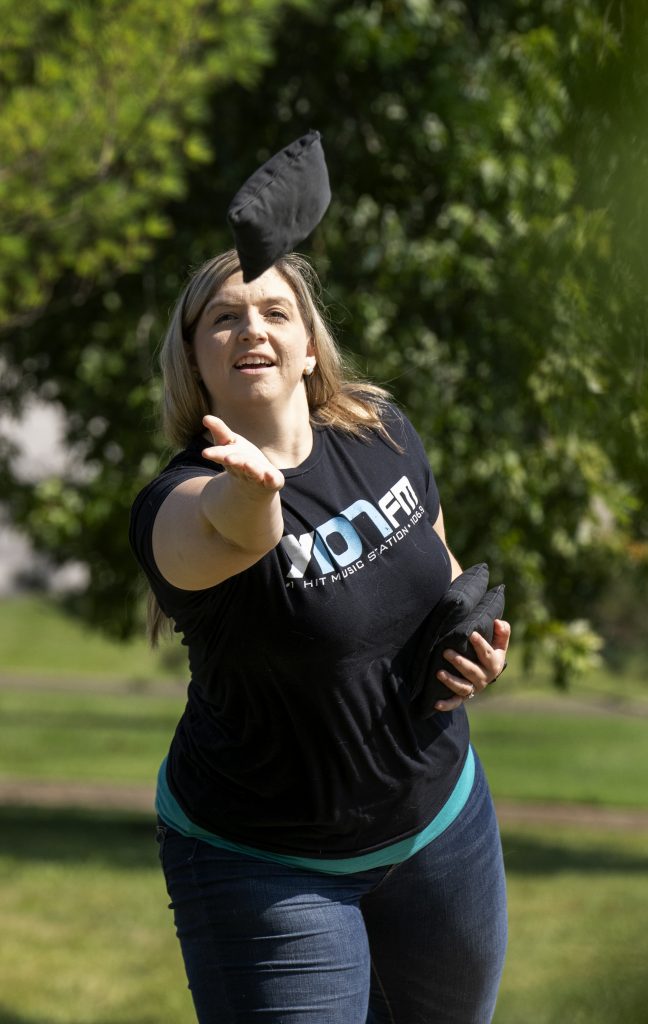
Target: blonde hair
x=337 y=397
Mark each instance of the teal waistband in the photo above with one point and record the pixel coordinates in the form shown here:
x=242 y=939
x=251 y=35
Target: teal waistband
x=172 y=814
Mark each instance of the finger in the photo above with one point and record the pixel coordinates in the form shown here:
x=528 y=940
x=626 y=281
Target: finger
x=466 y=668
x=462 y=687
x=218 y=429
x=491 y=657
x=501 y=634
x=238 y=463
x=217 y=452
x=482 y=648
x=449 y=705
x=491 y=661
x=253 y=471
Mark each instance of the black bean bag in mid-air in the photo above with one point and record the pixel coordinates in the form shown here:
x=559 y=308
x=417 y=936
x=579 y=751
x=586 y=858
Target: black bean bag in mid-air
x=466 y=607
x=280 y=204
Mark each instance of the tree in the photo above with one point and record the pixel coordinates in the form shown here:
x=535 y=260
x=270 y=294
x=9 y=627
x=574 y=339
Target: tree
x=468 y=258
x=103 y=114
x=463 y=255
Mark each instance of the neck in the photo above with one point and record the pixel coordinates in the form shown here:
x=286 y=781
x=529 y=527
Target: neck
x=284 y=436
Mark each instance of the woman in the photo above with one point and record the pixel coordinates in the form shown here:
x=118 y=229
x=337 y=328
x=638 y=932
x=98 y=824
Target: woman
x=331 y=859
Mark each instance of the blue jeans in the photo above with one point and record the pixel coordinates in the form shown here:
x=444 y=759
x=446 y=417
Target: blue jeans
x=421 y=942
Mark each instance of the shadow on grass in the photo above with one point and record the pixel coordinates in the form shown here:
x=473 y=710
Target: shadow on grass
x=535 y=855
x=9 y=1017
x=113 y=838
x=85 y=721
x=127 y=839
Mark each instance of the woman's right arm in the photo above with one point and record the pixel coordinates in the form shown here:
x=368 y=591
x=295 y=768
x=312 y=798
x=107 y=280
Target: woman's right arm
x=210 y=528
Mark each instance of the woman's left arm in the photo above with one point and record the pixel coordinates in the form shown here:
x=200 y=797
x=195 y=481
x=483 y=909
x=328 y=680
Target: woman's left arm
x=471 y=678
x=439 y=528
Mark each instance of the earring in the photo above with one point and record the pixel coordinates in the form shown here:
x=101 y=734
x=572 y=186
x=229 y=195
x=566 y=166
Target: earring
x=311 y=363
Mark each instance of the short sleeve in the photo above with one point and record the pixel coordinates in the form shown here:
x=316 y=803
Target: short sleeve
x=146 y=506
x=403 y=434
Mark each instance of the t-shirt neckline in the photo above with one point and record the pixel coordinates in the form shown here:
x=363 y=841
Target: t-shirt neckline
x=199 y=442
x=311 y=459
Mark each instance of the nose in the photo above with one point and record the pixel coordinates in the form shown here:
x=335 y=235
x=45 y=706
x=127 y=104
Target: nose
x=252 y=324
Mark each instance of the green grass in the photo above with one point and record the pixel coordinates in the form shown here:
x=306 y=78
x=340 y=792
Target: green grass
x=588 y=758
x=87 y=937
x=37 y=637
x=578 y=905
x=101 y=737
x=622 y=685
x=121 y=737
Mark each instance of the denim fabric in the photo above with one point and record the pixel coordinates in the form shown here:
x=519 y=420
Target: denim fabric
x=421 y=942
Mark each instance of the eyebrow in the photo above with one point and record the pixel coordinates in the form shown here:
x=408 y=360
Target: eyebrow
x=271 y=300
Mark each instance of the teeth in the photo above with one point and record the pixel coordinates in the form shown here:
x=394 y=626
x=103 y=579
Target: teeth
x=253 y=361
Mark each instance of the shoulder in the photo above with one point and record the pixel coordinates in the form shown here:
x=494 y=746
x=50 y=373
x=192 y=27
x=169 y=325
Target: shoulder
x=184 y=465
x=391 y=442
x=399 y=429
x=403 y=435
x=189 y=459
x=390 y=427
x=394 y=418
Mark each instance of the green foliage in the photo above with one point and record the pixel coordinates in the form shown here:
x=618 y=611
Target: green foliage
x=482 y=256
x=102 y=116
x=469 y=265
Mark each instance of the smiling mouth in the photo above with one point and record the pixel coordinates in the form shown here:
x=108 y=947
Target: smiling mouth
x=253 y=364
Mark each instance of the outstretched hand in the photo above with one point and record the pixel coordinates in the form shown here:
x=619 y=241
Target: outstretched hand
x=240 y=458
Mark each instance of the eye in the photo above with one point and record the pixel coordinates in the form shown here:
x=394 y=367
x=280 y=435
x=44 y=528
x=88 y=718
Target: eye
x=223 y=318
x=276 y=314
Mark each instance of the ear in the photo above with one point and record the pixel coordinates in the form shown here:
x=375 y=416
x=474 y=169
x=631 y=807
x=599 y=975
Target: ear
x=309 y=365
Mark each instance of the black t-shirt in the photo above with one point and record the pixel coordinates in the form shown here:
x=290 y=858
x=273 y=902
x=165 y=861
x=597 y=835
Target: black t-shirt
x=297 y=736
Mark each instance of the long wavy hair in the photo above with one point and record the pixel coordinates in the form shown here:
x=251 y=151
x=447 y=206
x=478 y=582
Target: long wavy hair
x=337 y=396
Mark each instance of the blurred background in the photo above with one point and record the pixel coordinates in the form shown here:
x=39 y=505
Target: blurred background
x=484 y=258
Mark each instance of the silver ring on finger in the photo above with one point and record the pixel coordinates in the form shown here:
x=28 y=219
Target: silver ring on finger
x=472 y=692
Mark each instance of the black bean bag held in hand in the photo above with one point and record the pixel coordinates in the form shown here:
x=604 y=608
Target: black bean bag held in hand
x=465 y=608
x=280 y=204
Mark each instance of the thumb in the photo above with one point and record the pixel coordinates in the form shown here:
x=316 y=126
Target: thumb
x=218 y=429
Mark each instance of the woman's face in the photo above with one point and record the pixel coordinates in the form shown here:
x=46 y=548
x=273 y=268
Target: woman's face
x=251 y=344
